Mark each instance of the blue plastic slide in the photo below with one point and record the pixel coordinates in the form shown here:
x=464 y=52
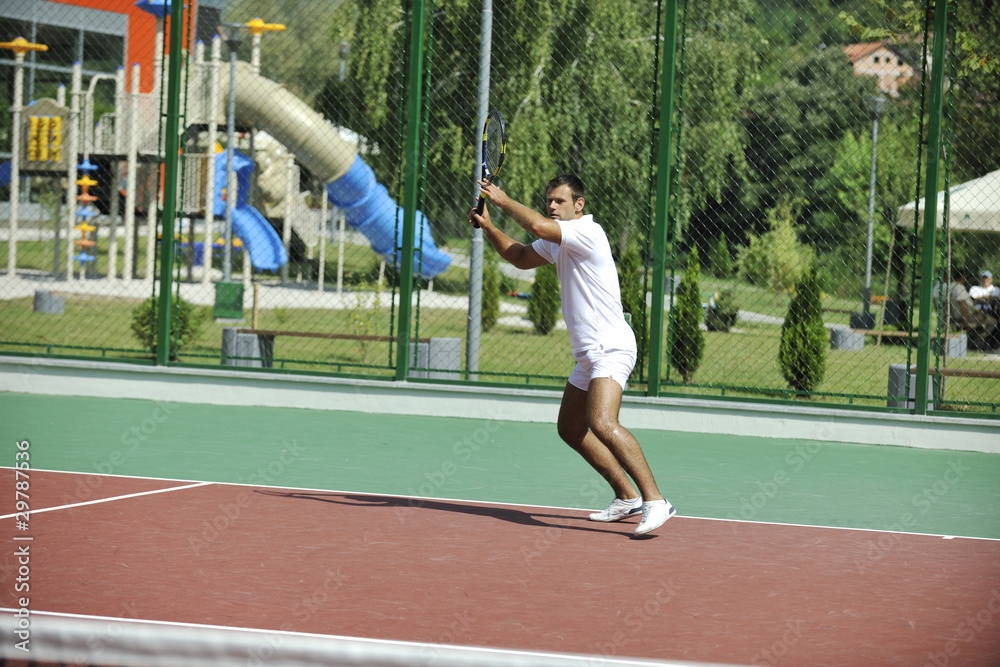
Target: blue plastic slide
x=369 y=209
x=267 y=252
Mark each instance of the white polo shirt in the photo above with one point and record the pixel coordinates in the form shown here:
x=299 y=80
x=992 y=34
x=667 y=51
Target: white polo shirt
x=591 y=295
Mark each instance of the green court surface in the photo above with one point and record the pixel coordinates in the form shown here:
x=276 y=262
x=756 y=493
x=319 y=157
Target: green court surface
x=713 y=476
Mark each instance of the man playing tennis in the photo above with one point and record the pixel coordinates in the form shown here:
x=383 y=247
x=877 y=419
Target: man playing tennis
x=603 y=342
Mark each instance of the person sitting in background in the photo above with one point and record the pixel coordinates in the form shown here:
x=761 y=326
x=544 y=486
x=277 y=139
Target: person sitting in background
x=986 y=295
x=980 y=326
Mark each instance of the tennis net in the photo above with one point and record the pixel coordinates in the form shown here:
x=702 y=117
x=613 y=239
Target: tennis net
x=113 y=642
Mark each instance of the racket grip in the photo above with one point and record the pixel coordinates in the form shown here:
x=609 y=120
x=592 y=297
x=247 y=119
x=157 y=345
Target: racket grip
x=480 y=205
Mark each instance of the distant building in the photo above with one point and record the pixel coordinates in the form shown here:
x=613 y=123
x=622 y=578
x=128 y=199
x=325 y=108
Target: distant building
x=883 y=60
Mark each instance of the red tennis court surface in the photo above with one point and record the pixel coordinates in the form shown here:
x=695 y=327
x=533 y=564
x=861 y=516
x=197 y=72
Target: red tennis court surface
x=513 y=577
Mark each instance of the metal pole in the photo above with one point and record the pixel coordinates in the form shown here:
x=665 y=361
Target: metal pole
x=231 y=185
x=131 y=177
x=930 y=205
x=867 y=295
x=474 y=325
x=324 y=220
x=661 y=227
x=170 y=163
x=412 y=167
x=119 y=148
x=15 y=164
x=286 y=227
x=213 y=129
x=73 y=152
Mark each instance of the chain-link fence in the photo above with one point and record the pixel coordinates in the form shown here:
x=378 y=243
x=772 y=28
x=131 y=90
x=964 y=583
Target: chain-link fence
x=792 y=247
x=802 y=143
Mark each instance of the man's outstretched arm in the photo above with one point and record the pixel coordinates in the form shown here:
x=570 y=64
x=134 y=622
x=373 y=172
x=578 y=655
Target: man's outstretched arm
x=520 y=255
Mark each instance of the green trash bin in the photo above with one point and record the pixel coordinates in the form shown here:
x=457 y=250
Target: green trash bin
x=228 y=301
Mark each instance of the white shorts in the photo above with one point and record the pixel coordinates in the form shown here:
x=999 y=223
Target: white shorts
x=601 y=363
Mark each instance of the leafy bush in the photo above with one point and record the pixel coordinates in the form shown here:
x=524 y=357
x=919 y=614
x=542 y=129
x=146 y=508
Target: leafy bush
x=543 y=306
x=777 y=259
x=187 y=323
x=492 y=286
x=688 y=341
x=722 y=311
x=364 y=315
x=802 y=352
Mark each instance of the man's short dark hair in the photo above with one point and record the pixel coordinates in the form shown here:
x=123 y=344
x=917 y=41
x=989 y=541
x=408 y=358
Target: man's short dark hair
x=572 y=180
x=958 y=273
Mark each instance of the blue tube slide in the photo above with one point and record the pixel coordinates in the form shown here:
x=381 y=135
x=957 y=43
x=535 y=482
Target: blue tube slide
x=267 y=252
x=369 y=209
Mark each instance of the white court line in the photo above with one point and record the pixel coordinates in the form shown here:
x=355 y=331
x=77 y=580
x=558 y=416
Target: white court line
x=420 y=499
x=129 y=633
x=106 y=500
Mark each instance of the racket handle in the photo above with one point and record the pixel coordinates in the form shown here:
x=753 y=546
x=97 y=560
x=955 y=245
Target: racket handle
x=480 y=205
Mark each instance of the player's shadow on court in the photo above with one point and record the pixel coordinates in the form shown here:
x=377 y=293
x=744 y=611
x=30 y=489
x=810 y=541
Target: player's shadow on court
x=502 y=513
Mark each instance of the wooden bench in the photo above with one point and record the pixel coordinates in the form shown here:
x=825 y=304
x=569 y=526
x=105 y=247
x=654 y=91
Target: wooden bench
x=318 y=334
x=893 y=333
x=960 y=372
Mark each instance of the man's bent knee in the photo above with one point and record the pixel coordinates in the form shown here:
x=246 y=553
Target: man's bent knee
x=605 y=428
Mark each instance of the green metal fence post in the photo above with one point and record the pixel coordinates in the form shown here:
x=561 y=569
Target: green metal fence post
x=662 y=223
x=170 y=164
x=938 y=65
x=410 y=175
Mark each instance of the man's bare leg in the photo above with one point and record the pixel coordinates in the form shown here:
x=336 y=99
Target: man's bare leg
x=604 y=401
x=574 y=429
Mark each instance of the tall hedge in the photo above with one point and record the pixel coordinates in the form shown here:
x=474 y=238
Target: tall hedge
x=687 y=339
x=543 y=306
x=630 y=277
x=804 y=342
x=492 y=286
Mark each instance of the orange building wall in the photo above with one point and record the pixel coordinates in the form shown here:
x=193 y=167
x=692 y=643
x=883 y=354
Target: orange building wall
x=141 y=34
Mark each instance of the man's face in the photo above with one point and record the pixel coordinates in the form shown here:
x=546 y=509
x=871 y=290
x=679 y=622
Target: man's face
x=986 y=280
x=561 y=205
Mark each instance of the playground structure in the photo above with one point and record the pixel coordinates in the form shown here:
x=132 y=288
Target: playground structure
x=287 y=133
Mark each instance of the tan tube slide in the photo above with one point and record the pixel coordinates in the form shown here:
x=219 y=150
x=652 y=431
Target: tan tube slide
x=263 y=103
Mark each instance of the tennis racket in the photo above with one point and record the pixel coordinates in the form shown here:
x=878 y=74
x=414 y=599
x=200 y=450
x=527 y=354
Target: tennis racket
x=494 y=149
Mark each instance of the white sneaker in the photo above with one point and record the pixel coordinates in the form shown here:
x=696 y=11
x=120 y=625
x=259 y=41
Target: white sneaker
x=618 y=509
x=654 y=514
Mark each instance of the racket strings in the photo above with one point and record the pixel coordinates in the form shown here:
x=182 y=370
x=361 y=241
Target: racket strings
x=494 y=152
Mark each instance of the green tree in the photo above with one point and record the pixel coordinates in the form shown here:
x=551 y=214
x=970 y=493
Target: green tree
x=300 y=55
x=976 y=89
x=795 y=127
x=720 y=262
x=687 y=339
x=631 y=274
x=804 y=341
x=839 y=230
x=777 y=259
x=543 y=306
x=722 y=59
x=188 y=321
x=605 y=51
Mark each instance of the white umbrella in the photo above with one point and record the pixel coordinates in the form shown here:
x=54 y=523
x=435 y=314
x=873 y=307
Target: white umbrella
x=972 y=206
